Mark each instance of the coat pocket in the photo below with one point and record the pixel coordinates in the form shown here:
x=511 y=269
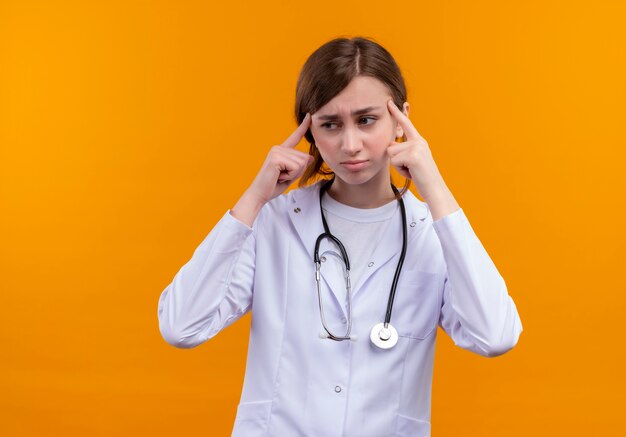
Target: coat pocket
x=410 y=427
x=417 y=303
x=252 y=419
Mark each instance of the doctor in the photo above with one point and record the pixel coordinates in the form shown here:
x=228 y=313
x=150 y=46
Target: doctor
x=343 y=334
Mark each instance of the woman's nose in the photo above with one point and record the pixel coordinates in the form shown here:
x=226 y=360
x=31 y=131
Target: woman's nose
x=351 y=142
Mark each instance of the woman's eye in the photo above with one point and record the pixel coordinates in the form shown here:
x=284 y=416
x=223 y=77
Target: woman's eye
x=367 y=120
x=364 y=121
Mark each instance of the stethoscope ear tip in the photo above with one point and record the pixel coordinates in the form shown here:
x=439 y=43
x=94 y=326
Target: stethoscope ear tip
x=324 y=335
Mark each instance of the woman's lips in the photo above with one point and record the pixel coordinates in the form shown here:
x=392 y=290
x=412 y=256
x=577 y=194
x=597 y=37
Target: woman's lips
x=354 y=165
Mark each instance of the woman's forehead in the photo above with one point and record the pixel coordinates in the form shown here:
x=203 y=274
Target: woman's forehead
x=363 y=92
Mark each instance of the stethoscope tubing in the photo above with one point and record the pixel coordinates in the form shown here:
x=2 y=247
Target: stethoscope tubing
x=396 y=276
x=344 y=255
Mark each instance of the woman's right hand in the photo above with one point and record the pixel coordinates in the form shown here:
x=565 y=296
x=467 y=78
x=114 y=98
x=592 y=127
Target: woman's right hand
x=282 y=166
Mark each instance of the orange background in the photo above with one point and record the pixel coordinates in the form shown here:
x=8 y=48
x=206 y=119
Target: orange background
x=127 y=128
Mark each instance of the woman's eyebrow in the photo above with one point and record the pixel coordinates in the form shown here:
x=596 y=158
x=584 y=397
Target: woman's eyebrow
x=357 y=112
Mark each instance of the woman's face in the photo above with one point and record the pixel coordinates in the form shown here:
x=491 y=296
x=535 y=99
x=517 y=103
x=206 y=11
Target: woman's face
x=353 y=130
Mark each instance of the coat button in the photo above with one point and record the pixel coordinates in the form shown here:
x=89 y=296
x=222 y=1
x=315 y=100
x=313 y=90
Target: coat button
x=297 y=210
x=370 y=264
x=337 y=389
x=323 y=259
x=413 y=224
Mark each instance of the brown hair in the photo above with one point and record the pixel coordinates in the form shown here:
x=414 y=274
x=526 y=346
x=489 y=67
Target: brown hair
x=328 y=71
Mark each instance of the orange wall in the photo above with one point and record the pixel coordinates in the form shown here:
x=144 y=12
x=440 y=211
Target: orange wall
x=128 y=128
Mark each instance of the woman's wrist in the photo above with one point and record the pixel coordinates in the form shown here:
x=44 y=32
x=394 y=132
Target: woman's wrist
x=247 y=208
x=441 y=202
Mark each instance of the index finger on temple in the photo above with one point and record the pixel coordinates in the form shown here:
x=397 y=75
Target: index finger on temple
x=297 y=134
x=409 y=130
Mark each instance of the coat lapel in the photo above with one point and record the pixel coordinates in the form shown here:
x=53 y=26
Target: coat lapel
x=305 y=215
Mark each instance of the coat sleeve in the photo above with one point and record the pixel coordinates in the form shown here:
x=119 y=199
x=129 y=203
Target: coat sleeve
x=213 y=289
x=477 y=311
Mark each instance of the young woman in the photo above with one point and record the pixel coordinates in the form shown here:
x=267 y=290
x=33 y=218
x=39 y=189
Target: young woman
x=348 y=277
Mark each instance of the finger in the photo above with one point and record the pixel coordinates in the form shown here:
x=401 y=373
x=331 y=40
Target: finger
x=288 y=167
x=394 y=148
x=299 y=172
x=297 y=153
x=291 y=174
x=409 y=130
x=297 y=135
x=287 y=163
x=303 y=159
x=398 y=162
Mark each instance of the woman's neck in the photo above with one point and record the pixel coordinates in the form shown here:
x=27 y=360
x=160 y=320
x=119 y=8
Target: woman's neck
x=371 y=194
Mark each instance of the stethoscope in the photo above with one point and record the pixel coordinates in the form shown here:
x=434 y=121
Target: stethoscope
x=383 y=335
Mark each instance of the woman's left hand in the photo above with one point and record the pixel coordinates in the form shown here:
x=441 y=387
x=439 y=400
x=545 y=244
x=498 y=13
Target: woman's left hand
x=412 y=158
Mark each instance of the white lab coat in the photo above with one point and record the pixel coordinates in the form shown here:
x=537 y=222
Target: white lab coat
x=297 y=384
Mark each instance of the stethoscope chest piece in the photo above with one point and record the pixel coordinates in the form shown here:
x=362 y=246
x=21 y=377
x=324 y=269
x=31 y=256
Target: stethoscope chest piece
x=384 y=337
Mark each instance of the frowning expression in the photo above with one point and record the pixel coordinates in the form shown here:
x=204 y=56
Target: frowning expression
x=353 y=130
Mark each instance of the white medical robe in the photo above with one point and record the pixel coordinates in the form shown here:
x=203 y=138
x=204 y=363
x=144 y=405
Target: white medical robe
x=297 y=384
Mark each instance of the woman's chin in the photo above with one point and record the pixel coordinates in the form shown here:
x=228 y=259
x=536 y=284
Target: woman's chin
x=354 y=178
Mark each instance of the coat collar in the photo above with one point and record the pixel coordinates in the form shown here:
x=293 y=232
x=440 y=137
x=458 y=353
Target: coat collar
x=305 y=215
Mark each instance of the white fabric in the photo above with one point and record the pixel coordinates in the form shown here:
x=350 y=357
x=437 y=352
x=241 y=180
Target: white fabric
x=359 y=230
x=297 y=384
